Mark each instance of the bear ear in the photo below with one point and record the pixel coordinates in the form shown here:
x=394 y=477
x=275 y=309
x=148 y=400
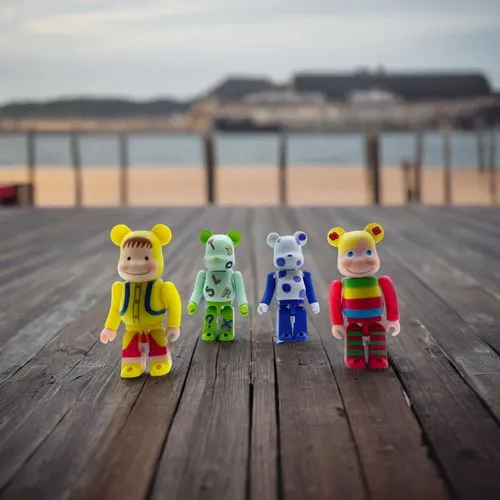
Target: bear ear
x=163 y=233
x=118 y=234
x=205 y=235
x=235 y=236
x=334 y=236
x=300 y=237
x=271 y=239
x=376 y=230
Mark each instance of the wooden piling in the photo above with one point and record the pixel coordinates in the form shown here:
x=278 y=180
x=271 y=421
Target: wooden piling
x=447 y=178
x=492 y=168
x=124 y=167
x=480 y=144
x=209 y=155
x=31 y=155
x=77 y=167
x=417 y=166
x=372 y=160
x=407 y=171
x=282 y=167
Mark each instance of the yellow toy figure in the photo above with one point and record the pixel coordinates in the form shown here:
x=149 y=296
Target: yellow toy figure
x=142 y=301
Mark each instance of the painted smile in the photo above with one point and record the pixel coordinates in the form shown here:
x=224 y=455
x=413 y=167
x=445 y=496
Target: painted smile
x=362 y=272
x=138 y=274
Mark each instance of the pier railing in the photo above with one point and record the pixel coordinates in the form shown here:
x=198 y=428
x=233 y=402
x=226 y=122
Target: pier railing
x=411 y=168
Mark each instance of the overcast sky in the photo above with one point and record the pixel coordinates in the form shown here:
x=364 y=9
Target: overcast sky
x=150 y=48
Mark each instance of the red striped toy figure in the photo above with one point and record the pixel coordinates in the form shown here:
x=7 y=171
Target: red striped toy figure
x=360 y=297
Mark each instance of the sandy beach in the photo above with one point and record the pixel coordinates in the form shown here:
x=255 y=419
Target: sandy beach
x=330 y=185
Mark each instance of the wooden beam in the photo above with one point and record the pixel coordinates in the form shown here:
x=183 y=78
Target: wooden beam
x=447 y=178
x=372 y=158
x=481 y=163
x=419 y=152
x=282 y=167
x=492 y=167
x=77 y=167
x=31 y=155
x=209 y=154
x=124 y=168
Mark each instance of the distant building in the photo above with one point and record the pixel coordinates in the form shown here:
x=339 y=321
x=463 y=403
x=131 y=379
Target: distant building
x=237 y=88
x=347 y=101
x=405 y=86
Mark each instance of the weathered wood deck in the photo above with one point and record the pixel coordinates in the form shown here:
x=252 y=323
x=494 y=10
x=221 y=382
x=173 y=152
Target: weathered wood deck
x=250 y=420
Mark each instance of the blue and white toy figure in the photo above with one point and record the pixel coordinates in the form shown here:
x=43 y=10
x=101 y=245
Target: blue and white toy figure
x=291 y=286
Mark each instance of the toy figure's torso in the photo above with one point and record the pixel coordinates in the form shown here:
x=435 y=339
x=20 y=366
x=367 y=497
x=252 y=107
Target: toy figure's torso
x=219 y=286
x=142 y=303
x=362 y=298
x=290 y=285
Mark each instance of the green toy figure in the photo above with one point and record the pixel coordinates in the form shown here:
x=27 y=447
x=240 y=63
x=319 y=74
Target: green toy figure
x=219 y=285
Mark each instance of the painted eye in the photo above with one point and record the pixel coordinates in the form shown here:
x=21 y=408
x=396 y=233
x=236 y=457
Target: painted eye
x=350 y=254
x=128 y=258
x=146 y=258
x=369 y=253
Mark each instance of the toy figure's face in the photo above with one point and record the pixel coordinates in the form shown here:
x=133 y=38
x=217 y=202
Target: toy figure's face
x=359 y=261
x=219 y=253
x=287 y=249
x=137 y=261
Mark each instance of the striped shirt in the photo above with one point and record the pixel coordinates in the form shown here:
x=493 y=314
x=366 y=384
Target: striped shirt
x=362 y=298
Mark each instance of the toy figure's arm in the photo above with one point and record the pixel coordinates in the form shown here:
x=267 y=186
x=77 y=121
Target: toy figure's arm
x=270 y=287
x=239 y=290
x=173 y=302
x=335 y=305
x=391 y=304
x=335 y=302
x=197 y=294
x=268 y=293
x=113 y=320
x=311 y=296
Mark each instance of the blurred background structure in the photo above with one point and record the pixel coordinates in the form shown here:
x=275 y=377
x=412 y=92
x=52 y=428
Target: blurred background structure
x=403 y=105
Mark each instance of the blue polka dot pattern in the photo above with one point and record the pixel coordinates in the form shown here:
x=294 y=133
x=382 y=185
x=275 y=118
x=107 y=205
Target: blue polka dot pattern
x=282 y=274
x=302 y=236
x=297 y=279
x=299 y=262
x=280 y=261
x=302 y=294
x=286 y=287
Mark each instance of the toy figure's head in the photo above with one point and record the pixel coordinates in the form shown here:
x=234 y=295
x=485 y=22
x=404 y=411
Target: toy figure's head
x=357 y=256
x=219 y=249
x=287 y=249
x=141 y=256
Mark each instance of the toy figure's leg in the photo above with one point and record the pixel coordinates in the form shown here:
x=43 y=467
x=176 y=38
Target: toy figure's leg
x=300 y=324
x=160 y=360
x=377 y=354
x=354 y=349
x=227 y=324
x=209 y=332
x=133 y=362
x=283 y=324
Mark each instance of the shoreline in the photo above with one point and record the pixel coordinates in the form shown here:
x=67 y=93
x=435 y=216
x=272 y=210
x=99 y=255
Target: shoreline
x=244 y=185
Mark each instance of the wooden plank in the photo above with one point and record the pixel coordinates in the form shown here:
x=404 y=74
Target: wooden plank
x=314 y=434
x=116 y=473
x=28 y=333
x=95 y=408
x=264 y=464
x=382 y=422
x=453 y=273
x=459 y=429
x=471 y=356
x=206 y=452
